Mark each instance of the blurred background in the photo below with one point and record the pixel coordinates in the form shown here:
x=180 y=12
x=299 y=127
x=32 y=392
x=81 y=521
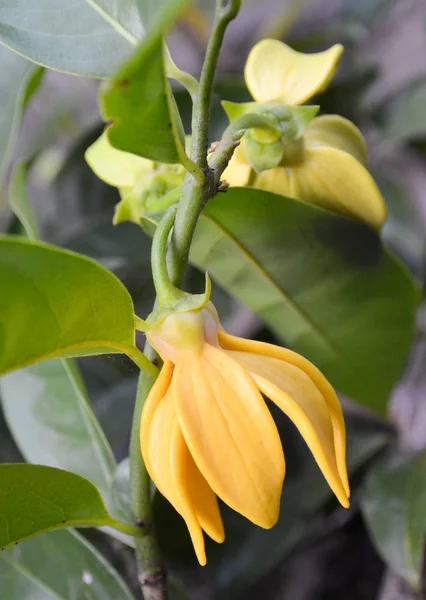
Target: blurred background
x=317 y=551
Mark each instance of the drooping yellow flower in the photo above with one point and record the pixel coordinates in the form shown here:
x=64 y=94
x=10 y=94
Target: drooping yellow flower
x=327 y=165
x=206 y=431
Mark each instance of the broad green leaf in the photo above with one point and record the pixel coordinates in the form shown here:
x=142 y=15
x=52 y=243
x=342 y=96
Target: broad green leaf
x=58 y=303
x=324 y=284
x=140 y=104
x=394 y=506
x=48 y=412
x=59 y=565
x=34 y=499
x=18 y=200
x=70 y=36
x=19 y=80
x=407 y=121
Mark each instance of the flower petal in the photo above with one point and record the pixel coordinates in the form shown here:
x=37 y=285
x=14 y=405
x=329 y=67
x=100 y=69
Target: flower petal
x=258 y=351
x=337 y=132
x=335 y=180
x=238 y=171
x=231 y=434
x=166 y=455
x=274 y=180
x=204 y=502
x=274 y=71
x=115 y=167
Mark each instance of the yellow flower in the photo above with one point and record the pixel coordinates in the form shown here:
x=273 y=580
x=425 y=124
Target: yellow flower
x=326 y=166
x=206 y=430
x=142 y=183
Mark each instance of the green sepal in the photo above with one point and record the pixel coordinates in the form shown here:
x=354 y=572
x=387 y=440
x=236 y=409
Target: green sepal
x=183 y=303
x=236 y=109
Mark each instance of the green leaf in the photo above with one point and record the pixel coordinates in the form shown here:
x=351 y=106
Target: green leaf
x=34 y=499
x=74 y=38
x=19 y=81
x=394 y=506
x=48 y=412
x=18 y=200
x=58 y=303
x=59 y=565
x=407 y=121
x=140 y=104
x=324 y=284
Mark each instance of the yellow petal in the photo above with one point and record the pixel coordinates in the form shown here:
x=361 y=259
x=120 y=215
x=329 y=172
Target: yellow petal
x=337 y=132
x=263 y=350
x=274 y=180
x=204 y=502
x=231 y=434
x=274 y=71
x=115 y=167
x=335 y=180
x=166 y=455
x=237 y=173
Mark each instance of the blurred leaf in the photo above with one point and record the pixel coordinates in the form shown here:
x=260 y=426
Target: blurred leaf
x=59 y=297
x=72 y=37
x=59 y=565
x=35 y=499
x=249 y=553
x=324 y=284
x=18 y=200
x=48 y=412
x=140 y=104
x=19 y=81
x=407 y=121
x=120 y=492
x=394 y=506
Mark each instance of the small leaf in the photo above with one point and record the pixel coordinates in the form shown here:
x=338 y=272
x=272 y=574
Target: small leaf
x=19 y=81
x=59 y=565
x=35 y=498
x=18 y=200
x=394 y=506
x=325 y=285
x=48 y=412
x=140 y=104
x=63 y=305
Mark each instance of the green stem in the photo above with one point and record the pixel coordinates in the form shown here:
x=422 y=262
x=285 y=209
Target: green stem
x=151 y=573
x=166 y=292
x=194 y=195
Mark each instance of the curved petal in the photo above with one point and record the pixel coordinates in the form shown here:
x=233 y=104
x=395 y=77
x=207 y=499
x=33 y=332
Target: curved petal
x=238 y=171
x=274 y=71
x=116 y=167
x=260 y=350
x=335 y=180
x=274 y=180
x=337 y=132
x=166 y=458
x=204 y=502
x=231 y=434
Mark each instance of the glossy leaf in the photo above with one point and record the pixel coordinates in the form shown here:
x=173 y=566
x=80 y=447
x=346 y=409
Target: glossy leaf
x=407 y=121
x=72 y=37
x=63 y=305
x=325 y=285
x=394 y=506
x=139 y=103
x=35 y=498
x=59 y=565
x=19 y=80
x=48 y=412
